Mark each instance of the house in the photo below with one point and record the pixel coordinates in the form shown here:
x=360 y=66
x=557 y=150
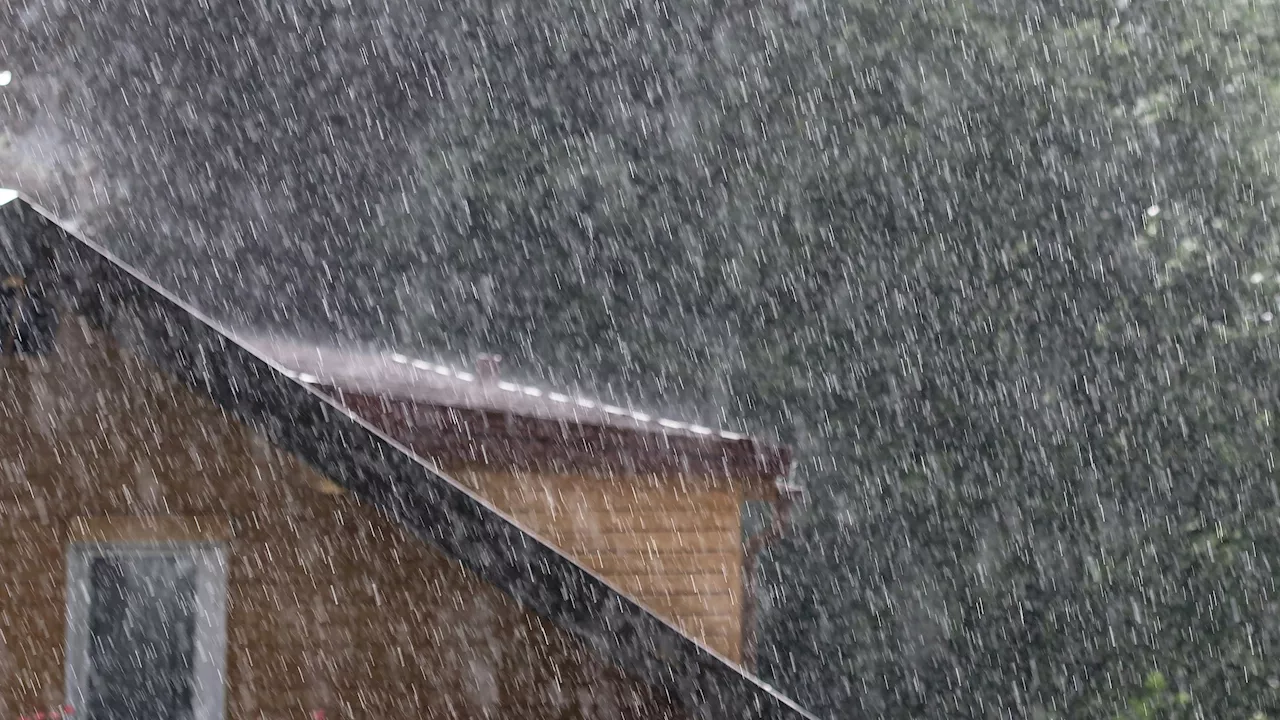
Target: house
x=195 y=524
x=651 y=504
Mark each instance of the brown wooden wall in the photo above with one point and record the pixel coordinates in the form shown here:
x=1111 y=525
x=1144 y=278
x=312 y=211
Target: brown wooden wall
x=658 y=516
x=674 y=543
x=329 y=604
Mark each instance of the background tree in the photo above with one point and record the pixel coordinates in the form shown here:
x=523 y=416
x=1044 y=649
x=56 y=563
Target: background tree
x=992 y=266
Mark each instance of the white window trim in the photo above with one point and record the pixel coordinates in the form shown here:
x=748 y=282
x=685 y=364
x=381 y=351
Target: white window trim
x=211 y=613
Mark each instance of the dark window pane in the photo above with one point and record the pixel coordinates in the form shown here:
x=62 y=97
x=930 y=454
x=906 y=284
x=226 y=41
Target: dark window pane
x=27 y=323
x=36 y=328
x=141 y=638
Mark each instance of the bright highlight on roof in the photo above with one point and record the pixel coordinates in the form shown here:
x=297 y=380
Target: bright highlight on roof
x=394 y=372
x=506 y=386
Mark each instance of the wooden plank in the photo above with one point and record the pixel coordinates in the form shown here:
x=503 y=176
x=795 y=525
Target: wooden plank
x=166 y=528
x=651 y=543
x=677 y=584
x=614 y=563
x=655 y=516
x=728 y=645
x=710 y=625
x=631 y=521
x=683 y=606
x=661 y=538
x=606 y=521
x=560 y=506
x=541 y=491
x=698 y=626
x=611 y=481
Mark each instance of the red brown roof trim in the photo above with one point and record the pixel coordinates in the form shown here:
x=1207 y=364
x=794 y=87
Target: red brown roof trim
x=465 y=436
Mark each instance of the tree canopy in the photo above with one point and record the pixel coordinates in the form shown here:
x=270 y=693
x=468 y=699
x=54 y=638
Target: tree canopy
x=1005 y=273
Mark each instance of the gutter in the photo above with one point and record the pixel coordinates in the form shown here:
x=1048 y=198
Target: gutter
x=788 y=493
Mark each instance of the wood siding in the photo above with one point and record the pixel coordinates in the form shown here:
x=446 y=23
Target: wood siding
x=674 y=543
x=330 y=605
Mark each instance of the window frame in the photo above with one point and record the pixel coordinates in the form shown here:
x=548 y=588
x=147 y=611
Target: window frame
x=210 y=636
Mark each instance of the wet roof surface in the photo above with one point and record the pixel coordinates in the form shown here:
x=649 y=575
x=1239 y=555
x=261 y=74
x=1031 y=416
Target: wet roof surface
x=400 y=376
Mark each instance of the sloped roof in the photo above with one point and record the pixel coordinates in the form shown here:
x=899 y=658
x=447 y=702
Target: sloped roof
x=459 y=415
x=372 y=467
x=399 y=375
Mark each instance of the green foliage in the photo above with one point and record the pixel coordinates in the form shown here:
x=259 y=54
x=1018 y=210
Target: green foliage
x=1156 y=700
x=1005 y=274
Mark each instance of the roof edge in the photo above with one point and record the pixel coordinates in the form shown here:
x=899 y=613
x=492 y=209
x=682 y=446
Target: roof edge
x=452 y=434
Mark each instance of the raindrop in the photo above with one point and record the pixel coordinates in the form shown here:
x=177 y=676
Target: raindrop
x=1153 y=211
x=1256 y=278
x=6 y=77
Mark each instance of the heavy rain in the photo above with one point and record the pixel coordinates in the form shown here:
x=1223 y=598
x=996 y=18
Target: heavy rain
x=639 y=358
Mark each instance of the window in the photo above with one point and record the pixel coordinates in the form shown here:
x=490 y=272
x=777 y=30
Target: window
x=27 y=322
x=145 y=631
